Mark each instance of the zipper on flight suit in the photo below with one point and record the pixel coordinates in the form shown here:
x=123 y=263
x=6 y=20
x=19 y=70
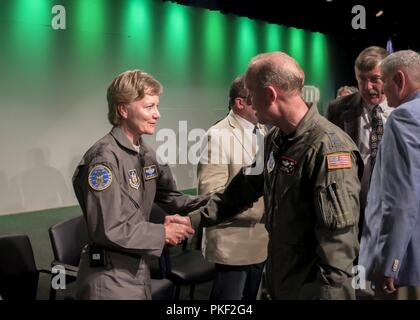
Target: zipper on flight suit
x=142 y=165
x=275 y=172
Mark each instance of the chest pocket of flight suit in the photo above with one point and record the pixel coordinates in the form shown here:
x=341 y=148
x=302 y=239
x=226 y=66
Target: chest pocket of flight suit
x=334 y=206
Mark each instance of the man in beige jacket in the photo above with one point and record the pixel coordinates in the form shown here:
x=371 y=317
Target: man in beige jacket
x=238 y=246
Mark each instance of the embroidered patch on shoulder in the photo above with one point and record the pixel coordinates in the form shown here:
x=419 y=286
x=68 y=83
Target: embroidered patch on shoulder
x=100 y=177
x=133 y=179
x=150 y=172
x=340 y=160
x=288 y=165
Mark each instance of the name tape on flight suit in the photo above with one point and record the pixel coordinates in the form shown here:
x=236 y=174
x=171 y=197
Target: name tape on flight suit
x=100 y=177
x=150 y=172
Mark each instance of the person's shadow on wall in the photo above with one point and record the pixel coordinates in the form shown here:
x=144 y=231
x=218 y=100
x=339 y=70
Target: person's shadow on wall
x=6 y=197
x=40 y=185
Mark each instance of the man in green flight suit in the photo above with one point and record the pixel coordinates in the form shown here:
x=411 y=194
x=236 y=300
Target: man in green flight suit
x=310 y=183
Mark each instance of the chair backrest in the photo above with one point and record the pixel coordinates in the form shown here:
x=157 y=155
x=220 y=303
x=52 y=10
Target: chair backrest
x=68 y=239
x=18 y=272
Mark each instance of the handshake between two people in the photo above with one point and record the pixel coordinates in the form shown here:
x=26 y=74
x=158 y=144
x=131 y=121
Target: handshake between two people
x=177 y=229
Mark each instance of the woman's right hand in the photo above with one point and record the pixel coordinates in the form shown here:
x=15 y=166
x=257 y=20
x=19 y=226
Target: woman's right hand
x=177 y=229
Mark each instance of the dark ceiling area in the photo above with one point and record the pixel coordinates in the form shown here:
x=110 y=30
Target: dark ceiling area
x=396 y=22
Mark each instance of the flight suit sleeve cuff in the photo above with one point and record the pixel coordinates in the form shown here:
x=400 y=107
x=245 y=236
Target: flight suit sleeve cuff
x=159 y=231
x=195 y=218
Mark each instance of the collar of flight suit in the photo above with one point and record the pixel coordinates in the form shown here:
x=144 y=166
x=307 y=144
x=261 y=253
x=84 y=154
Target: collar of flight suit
x=123 y=141
x=305 y=124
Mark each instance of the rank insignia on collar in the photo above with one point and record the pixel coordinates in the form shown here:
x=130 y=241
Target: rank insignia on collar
x=133 y=179
x=150 y=172
x=271 y=162
x=100 y=177
x=288 y=165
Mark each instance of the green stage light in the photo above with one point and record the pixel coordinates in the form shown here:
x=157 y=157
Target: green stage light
x=318 y=56
x=296 y=45
x=214 y=44
x=138 y=36
x=246 y=43
x=91 y=25
x=273 y=34
x=176 y=44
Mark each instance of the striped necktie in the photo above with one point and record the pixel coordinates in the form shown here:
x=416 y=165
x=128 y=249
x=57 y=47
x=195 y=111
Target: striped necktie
x=377 y=132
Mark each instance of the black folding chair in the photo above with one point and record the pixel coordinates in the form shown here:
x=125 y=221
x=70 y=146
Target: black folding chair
x=68 y=239
x=18 y=272
x=185 y=267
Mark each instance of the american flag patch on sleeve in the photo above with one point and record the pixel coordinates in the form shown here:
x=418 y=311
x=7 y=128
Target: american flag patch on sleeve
x=339 y=161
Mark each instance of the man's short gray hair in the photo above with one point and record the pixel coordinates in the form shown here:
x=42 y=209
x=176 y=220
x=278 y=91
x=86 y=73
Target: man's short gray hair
x=278 y=69
x=408 y=60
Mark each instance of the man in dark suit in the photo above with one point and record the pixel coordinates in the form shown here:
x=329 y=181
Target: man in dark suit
x=362 y=115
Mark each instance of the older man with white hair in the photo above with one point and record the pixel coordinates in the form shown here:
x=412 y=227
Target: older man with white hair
x=390 y=245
